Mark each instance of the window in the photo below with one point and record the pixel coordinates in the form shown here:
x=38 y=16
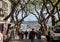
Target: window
x=5 y=13
x=1 y=14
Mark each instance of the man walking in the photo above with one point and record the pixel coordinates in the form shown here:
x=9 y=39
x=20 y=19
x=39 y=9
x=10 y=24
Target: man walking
x=22 y=34
x=38 y=35
x=26 y=34
x=32 y=35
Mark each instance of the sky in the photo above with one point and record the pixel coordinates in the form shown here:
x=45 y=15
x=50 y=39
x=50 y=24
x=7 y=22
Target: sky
x=28 y=18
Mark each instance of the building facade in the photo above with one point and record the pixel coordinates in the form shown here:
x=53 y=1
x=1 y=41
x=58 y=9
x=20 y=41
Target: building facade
x=5 y=9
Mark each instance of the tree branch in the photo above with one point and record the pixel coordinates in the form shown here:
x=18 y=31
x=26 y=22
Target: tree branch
x=34 y=15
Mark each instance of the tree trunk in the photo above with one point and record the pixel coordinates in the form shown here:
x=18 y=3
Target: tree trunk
x=53 y=21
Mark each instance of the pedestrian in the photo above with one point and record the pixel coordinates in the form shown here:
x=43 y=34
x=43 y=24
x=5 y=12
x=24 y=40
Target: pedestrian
x=19 y=34
x=26 y=34
x=32 y=35
x=38 y=35
x=1 y=37
x=22 y=34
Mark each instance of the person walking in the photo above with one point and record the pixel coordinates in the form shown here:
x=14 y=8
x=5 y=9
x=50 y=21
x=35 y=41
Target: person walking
x=26 y=34
x=38 y=35
x=32 y=35
x=22 y=34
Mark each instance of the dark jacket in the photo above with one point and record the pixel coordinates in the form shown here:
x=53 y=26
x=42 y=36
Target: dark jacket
x=32 y=35
x=38 y=34
x=26 y=33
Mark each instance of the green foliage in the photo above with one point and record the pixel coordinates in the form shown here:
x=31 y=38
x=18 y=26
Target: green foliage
x=54 y=1
x=59 y=5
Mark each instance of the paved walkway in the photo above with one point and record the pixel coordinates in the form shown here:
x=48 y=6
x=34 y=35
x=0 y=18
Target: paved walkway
x=16 y=39
x=26 y=40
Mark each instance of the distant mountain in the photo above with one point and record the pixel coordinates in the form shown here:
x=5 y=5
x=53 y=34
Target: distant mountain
x=26 y=22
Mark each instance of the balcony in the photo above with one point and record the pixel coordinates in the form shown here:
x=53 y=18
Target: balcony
x=3 y=5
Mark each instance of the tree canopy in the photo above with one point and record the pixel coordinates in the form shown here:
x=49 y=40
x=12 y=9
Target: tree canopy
x=43 y=10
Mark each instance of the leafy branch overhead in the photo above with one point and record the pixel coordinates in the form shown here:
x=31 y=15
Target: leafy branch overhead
x=43 y=10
